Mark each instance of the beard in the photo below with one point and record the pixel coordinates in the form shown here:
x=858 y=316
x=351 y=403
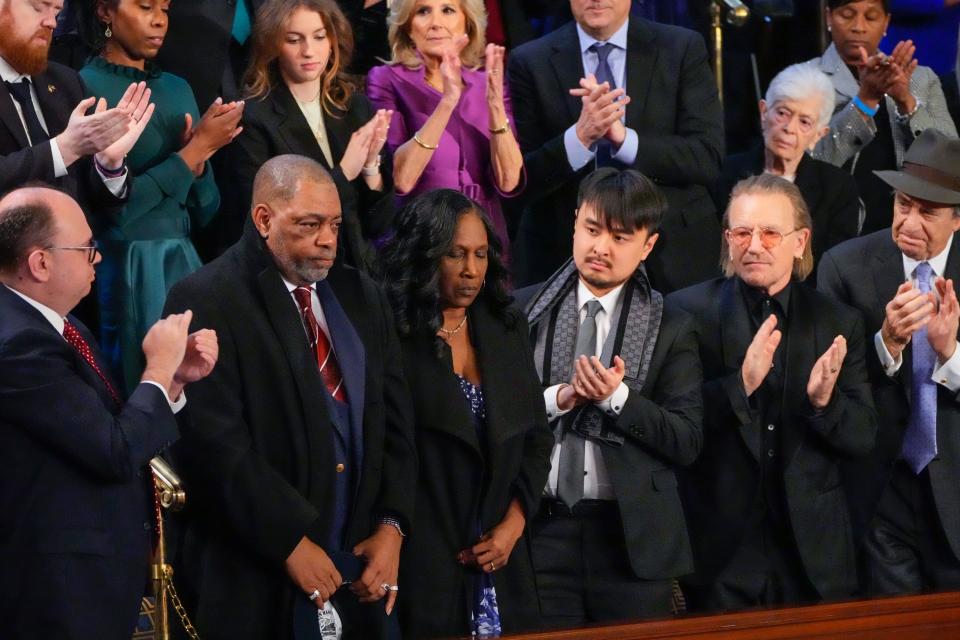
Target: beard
x=26 y=56
x=305 y=269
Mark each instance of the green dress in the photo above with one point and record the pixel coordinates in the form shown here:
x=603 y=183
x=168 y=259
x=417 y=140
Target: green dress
x=147 y=248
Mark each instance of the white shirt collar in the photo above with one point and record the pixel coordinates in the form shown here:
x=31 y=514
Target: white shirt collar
x=938 y=263
x=619 y=38
x=608 y=301
x=8 y=73
x=52 y=316
x=291 y=286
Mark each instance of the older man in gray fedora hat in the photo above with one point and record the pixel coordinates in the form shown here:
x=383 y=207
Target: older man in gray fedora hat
x=906 y=498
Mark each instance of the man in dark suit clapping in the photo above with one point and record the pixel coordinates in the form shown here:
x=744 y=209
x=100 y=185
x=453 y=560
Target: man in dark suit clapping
x=786 y=401
x=621 y=382
x=614 y=90
x=907 y=494
x=77 y=516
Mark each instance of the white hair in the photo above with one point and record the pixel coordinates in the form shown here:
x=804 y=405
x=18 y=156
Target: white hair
x=800 y=81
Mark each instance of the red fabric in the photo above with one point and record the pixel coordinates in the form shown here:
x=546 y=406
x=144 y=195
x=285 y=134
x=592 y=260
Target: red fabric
x=73 y=337
x=326 y=358
x=495 y=31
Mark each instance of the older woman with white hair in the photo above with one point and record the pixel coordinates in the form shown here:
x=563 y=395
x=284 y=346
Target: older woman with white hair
x=794 y=115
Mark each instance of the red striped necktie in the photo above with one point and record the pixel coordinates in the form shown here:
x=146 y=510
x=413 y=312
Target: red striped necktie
x=73 y=337
x=320 y=344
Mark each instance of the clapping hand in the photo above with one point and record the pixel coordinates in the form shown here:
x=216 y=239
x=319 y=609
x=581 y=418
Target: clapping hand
x=135 y=103
x=759 y=358
x=494 y=68
x=199 y=358
x=902 y=65
x=943 y=324
x=617 y=132
x=450 y=69
x=874 y=75
x=909 y=310
x=826 y=370
x=365 y=144
x=600 y=109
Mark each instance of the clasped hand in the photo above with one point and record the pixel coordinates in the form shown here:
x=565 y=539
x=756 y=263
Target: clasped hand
x=911 y=309
x=590 y=382
x=600 y=112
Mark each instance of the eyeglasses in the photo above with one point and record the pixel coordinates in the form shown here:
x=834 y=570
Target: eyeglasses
x=91 y=250
x=769 y=238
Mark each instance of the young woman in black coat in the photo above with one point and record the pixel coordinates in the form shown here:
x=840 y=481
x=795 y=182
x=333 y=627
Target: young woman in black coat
x=481 y=429
x=300 y=100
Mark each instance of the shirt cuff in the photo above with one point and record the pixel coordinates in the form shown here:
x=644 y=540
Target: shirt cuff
x=175 y=405
x=948 y=374
x=550 y=400
x=577 y=155
x=59 y=168
x=890 y=366
x=627 y=153
x=118 y=185
x=614 y=404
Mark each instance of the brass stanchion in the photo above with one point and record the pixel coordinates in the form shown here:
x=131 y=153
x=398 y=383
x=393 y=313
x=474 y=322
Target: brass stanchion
x=737 y=15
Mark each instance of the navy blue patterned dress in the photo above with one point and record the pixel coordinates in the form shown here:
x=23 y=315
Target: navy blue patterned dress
x=485 y=621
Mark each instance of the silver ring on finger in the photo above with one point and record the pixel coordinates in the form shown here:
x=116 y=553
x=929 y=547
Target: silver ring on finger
x=493 y=567
x=386 y=587
x=394 y=588
x=313 y=596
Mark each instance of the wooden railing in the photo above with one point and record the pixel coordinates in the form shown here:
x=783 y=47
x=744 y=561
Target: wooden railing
x=933 y=617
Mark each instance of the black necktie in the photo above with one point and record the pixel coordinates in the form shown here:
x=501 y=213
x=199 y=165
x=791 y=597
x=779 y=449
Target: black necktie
x=21 y=93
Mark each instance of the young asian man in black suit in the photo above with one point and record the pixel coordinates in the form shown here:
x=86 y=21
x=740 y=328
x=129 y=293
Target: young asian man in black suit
x=621 y=382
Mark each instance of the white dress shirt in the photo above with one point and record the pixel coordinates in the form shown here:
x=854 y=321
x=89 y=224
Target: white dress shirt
x=317 y=310
x=116 y=185
x=57 y=321
x=596 y=481
x=948 y=373
x=577 y=154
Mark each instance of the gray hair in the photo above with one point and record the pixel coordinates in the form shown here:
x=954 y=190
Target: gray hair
x=799 y=81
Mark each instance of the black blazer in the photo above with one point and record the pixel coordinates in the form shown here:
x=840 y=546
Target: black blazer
x=59 y=89
x=831 y=195
x=258 y=452
x=720 y=489
x=275 y=125
x=76 y=509
x=662 y=427
x=865 y=273
x=676 y=113
x=198 y=45
x=463 y=477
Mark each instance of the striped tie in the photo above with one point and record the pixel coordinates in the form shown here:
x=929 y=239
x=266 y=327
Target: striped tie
x=320 y=344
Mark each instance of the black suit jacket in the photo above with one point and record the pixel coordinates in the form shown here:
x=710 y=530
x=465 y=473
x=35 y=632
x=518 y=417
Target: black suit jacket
x=677 y=116
x=59 y=89
x=76 y=510
x=198 y=42
x=258 y=451
x=463 y=476
x=720 y=489
x=865 y=273
x=275 y=125
x=662 y=426
x=831 y=195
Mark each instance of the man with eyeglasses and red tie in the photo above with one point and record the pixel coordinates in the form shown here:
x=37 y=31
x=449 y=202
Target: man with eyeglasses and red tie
x=785 y=398
x=77 y=519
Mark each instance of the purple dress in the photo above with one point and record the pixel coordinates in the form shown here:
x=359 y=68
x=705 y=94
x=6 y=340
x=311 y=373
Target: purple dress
x=462 y=161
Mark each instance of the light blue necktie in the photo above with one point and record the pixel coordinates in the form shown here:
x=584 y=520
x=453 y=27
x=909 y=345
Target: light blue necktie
x=241 y=23
x=920 y=440
x=603 y=73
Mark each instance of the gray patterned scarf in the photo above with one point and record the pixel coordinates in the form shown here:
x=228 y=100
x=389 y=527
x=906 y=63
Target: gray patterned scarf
x=636 y=331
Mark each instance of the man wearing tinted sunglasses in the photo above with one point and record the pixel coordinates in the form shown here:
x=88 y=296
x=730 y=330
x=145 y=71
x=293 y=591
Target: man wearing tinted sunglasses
x=785 y=399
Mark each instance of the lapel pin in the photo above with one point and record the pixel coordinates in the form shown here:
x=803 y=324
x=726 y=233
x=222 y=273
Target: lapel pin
x=51 y=88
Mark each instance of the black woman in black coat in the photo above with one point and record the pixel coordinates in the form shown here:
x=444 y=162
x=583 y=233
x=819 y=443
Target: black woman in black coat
x=481 y=427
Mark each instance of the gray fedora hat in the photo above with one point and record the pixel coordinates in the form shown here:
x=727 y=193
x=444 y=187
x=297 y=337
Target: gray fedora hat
x=931 y=169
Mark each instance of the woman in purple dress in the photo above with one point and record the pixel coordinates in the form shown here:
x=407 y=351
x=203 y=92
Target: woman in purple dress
x=452 y=123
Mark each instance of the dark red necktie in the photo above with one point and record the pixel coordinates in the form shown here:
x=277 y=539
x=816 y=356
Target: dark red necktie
x=320 y=344
x=73 y=337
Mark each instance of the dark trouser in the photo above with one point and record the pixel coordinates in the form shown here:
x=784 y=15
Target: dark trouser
x=906 y=549
x=765 y=571
x=583 y=570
